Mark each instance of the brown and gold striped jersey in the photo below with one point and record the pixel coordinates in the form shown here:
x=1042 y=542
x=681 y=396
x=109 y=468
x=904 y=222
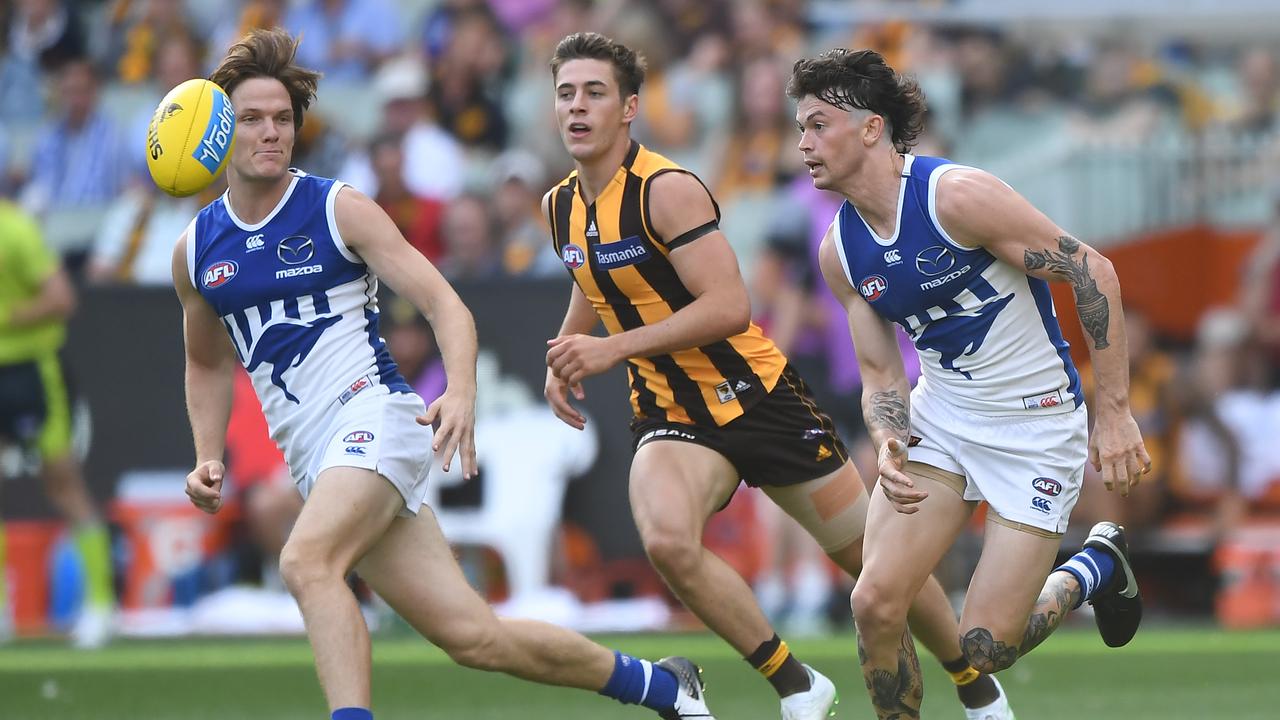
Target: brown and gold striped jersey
x=622 y=266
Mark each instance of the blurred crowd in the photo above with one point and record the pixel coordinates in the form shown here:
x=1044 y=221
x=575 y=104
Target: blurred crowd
x=442 y=111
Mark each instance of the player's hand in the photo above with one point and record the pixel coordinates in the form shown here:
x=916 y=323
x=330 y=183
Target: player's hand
x=453 y=415
x=557 y=394
x=574 y=358
x=897 y=486
x=204 y=486
x=1116 y=450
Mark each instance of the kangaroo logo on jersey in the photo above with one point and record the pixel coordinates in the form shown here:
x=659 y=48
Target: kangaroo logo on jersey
x=285 y=345
x=573 y=257
x=628 y=251
x=1047 y=486
x=934 y=260
x=295 y=250
x=873 y=288
x=955 y=336
x=220 y=273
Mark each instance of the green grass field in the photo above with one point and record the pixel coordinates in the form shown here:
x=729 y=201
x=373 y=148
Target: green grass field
x=1164 y=674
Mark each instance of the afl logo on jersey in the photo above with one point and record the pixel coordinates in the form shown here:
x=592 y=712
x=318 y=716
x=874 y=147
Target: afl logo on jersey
x=359 y=436
x=573 y=257
x=220 y=273
x=872 y=288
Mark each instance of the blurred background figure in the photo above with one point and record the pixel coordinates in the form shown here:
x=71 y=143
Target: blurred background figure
x=518 y=180
x=345 y=39
x=471 y=241
x=418 y=218
x=36 y=299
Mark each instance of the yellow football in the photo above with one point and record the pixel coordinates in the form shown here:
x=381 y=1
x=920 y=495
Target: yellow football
x=190 y=137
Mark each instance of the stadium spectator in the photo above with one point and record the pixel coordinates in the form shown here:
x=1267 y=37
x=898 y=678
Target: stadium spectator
x=464 y=86
x=471 y=241
x=1259 y=78
x=346 y=39
x=139 y=29
x=134 y=244
x=418 y=218
x=46 y=33
x=434 y=163
x=759 y=155
x=519 y=180
x=36 y=299
x=253 y=15
x=79 y=159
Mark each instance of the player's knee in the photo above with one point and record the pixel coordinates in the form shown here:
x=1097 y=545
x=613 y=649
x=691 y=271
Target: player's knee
x=986 y=652
x=474 y=644
x=303 y=568
x=673 y=553
x=877 y=607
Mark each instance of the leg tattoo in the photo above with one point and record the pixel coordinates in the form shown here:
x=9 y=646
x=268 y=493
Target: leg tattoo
x=1056 y=600
x=895 y=695
x=985 y=653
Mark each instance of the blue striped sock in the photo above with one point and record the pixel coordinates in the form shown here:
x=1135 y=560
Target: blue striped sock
x=640 y=682
x=1092 y=568
x=351 y=713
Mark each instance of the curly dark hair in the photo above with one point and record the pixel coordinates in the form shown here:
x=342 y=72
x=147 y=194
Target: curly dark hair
x=862 y=79
x=628 y=65
x=269 y=53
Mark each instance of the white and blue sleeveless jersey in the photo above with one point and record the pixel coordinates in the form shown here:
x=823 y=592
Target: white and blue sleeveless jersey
x=986 y=332
x=301 y=309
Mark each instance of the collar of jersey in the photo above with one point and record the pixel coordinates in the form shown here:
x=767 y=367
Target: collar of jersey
x=226 y=203
x=907 y=160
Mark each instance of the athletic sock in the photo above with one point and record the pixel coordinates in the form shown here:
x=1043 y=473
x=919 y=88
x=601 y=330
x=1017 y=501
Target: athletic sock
x=773 y=659
x=351 y=713
x=975 y=689
x=640 y=682
x=95 y=552
x=1093 y=569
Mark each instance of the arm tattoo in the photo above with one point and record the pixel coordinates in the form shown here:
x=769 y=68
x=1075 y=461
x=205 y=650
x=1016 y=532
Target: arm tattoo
x=889 y=412
x=1091 y=304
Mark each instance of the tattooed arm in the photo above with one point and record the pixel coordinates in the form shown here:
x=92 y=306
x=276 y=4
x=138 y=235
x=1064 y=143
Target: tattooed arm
x=978 y=210
x=886 y=394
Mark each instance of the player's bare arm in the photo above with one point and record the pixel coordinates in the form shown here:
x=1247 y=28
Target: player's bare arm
x=579 y=318
x=886 y=394
x=706 y=266
x=978 y=210
x=210 y=364
x=369 y=232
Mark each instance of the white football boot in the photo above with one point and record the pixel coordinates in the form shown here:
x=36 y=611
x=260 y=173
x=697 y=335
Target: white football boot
x=998 y=709
x=816 y=703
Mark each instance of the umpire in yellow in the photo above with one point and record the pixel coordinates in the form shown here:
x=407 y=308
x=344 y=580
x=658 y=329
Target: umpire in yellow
x=36 y=298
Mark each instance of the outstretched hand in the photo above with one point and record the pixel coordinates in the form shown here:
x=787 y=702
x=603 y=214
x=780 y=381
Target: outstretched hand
x=453 y=415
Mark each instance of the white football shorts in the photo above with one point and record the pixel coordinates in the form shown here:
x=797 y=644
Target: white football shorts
x=1028 y=468
x=377 y=430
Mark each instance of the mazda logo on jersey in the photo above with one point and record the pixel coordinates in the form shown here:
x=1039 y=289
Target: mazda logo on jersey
x=872 y=288
x=935 y=260
x=573 y=257
x=628 y=251
x=295 y=250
